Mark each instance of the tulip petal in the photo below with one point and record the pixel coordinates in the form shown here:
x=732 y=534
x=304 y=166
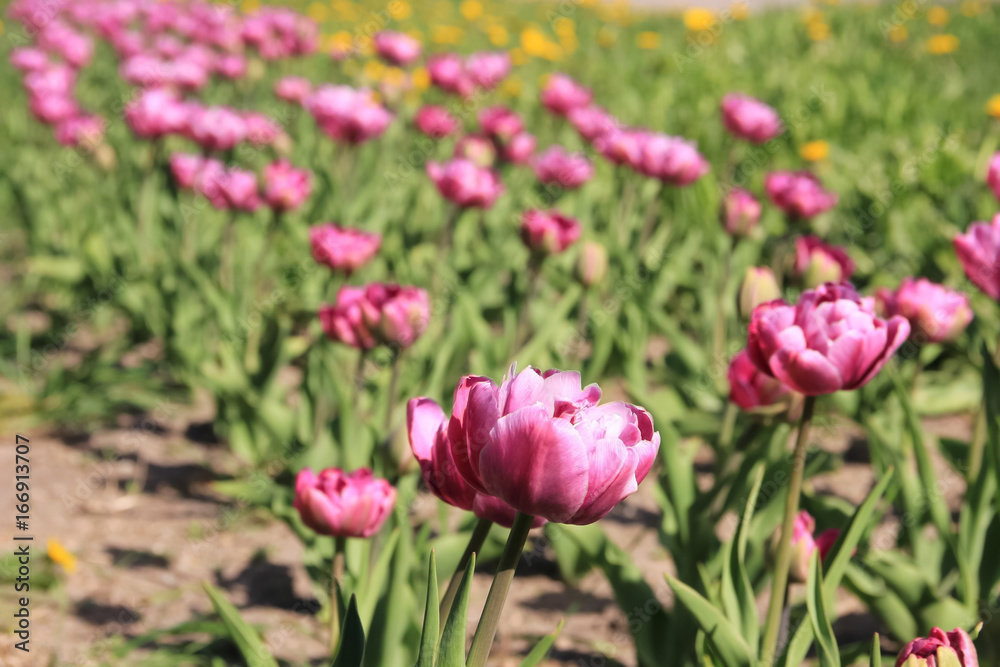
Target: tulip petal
x=423 y=419
x=611 y=478
x=806 y=371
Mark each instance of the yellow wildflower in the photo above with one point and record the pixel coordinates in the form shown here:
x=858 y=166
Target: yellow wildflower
x=533 y=41
x=606 y=37
x=340 y=42
x=421 y=79
x=647 y=40
x=60 y=556
x=344 y=11
x=517 y=56
x=818 y=31
x=569 y=43
x=511 y=86
x=552 y=51
x=498 y=35
x=564 y=26
x=446 y=34
x=898 y=33
x=250 y=6
x=471 y=9
x=812 y=15
x=972 y=8
x=699 y=19
x=373 y=70
x=942 y=44
x=393 y=76
x=400 y=9
x=993 y=106
x=317 y=12
x=814 y=151
x=937 y=15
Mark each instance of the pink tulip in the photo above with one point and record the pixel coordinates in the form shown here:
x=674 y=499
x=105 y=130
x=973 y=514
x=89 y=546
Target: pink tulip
x=53 y=109
x=239 y=188
x=749 y=118
x=83 y=130
x=542 y=444
x=562 y=94
x=29 y=59
x=396 y=48
x=436 y=122
x=343 y=504
x=500 y=122
x=427 y=427
x=757 y=392
x=740 y=212
x=622 y=146
x=464 y=183
x=343 y=249
x=231 y=66
x=940 y=649
x=979 y=251
x=157 y=112
x=488 y=68
x=818 y=262
x=285 y=187
x=185 y=168
x=804 y=544
x=799 y=194
x=364 y=317
x=207 y=183
x=261 y=130
x=993 y=174
x=348 y=115
x=217 y=128
x=293 y=89
x=592 y=264
x=548 y=232
x=519 y=149
x=592 y=122
x=672 y=160
x=831 y=340
x=448 y=72
x=74 y=48
x=555 y=166
x=51 y=81
x=477 y=148
x=936 y=313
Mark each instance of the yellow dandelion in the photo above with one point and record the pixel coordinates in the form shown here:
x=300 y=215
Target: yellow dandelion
x=740 y=10
x=339 y=42
x=317 y=12
x=564 y=26
x=400 y=9
x=471 y=9
x=498 y=35
x=814 y=151
x=993 y=106
x=60 y=556
x=446 y=34
x=647 y=40
x=698 y=19
x=518 y=56
x=898 y=33
x=818 y=31
x=533 y=41
x=942 y=44
x=937 y=15
x=421 y=79
x=971 y=8
x=606 y=37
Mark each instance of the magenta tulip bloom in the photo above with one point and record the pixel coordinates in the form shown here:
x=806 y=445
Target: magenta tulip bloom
x=436 y=122
x=261 y=130
x=548 y=232
x=818 y=262
x=29 y=59
x=831 y=340
x=448 y=72
x=239 y=188
x=799 y=194
x=542 y=444
x=156 y=112
x=427 y=427
x=936 y=313
x=293 y=89
x=365 y=317
x=804 y=543
x=231 y=66
x=740 y=212
x=217 y=128
x=396 y=48
x=343 y=249
x=622 y=146
x=672 y=160
x=592 y=122
x=343 y=504
x=477 y=148
x=86 y=130
x=940 y=649
x=348 y=115
x=464 y=183
x=184 y=167
x=563 y=94
x=749 y=118
x=979 y=251
x=555 y=166
x=488 y=68
x=754 y=391
x=207 y=183
x=285 y=187
x=500 y=122
x=993 y=174
x=519 y=149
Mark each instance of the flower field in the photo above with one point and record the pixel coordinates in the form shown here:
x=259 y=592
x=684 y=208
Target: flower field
x=480 y=333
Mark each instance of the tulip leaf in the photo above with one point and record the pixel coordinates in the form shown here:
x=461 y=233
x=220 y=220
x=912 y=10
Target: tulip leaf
x=895 y=613
x=722 y=636
x=432 y=621
x=738 y=596
x=876 y=655
x=372 y=590
x=351 y=652
x=542 y=648
x=452 y=648
x=826 y=642
x=247 y=640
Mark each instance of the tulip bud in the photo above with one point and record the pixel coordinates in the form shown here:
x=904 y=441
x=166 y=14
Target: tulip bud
x=106 y=157
x=940 y=649
x=759 y=286
x=818 y=262
x=256 y=69
x=803 y=546
x=740 y=212
x=592 y=265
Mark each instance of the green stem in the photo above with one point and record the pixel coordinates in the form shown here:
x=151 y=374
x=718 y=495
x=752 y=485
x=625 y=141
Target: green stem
x=523 y=329
x=476 y=541
x=337 y=572
x=719 y=332
x=391 y=400
x=780 y=582
x=975 y=461
x=488 y=622
x=359 y=379
x=652 y=212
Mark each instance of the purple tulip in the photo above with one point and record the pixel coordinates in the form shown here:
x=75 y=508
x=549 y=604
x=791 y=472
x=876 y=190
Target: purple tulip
x=343 y=504
x=396 y=48
x=155 y=113
x=940 y=649
x=261 y=130
x=562 y=94
x=548 y=232
x=936 y=313
x=740 y=212
x=239 y=188
x=285 y=187
x=500 y=122
x=749 y=118
x=757 y=392
x=231 y=66
x=818 y=262
x=216 y=128
x=84 y=130
x=488 y=68
x=293 y=89
x=993 y=174
x=464 y=183
x=519 y=149
x=799 y=194
x=592 y=122
x=377 y=314
x=622 y=146
x=672 y=160
x=979 y=251
x=555 y=166
x=804 y=544
x=436 y=122
x=348 y=115
x=29 y=59
x=185 y=168
x=831 y=340
x=448 y=72
x=343 y=249
x=477 y=148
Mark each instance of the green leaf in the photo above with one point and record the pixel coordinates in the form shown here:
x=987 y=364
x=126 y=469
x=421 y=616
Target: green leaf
x=246 y=638
x=737 y=590
x=722 y=636
x=452 y=651
x=432 y=620
x=352 y=638
x=374 y=584
x=876 y=656
x=542 y=648
x=826 y=643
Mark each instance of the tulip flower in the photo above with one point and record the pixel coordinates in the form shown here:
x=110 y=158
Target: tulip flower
x=343 y=504
x=216 y=128
x=285 y=187
x=749 y=118
x=940 y=649
x=818 y=262
x=231 y=66
x=562 y=95
x=477 y=148
x=364 y=317
x=936 y=313
x=156 y=112
x=759 y=286
x=622 y=146
x=544 y=445
x=293 y=89
x=500 y=122
x=672 y=160
x=184 y=167
x=436 y=122
x=592 y=121
x=343 y=249
x=447 y=71
x=740 y=212
x=804 y=544
x=799 y=194
x=548 y=232
x=488 y=68
x=519 y=149
x=979 y=251
x=239 y=189
x=464 y=183
x=29 y=59
x=555 y=166
x=757 y=392
x=993 y=174
x=831 y=340
x=592 y=264
x=83 y=130
x=396 y=48
x=348 y=115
